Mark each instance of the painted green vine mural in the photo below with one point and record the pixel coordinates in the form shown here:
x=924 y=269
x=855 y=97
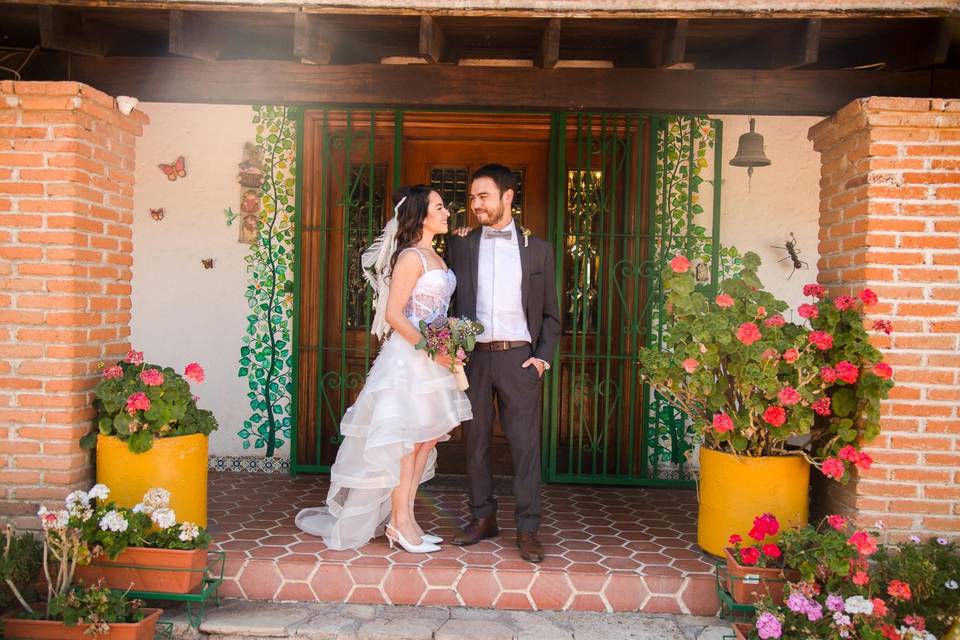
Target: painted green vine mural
x=266 y=354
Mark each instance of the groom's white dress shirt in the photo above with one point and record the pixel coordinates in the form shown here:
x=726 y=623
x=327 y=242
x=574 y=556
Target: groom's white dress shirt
x=499 y=297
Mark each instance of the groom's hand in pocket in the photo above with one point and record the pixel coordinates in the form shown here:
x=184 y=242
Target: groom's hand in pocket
x=534 y=362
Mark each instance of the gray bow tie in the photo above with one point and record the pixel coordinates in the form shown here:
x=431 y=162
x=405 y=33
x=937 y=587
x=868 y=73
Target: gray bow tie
x=493 y=233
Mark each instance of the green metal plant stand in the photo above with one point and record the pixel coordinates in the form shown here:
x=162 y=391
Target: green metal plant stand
x=730 y=610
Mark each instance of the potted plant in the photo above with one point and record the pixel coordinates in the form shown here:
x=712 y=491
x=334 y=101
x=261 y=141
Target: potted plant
x=72 y=612
x=150 y=433
x=143 y=548
x=756 y=570
x=767 y=397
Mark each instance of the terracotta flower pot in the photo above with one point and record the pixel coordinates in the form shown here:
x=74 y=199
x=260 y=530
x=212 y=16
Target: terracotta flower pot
x=22 y=628
x=143 y=569
x=749 y=584
x=742 y=630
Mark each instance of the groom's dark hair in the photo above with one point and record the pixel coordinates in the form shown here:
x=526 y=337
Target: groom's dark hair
x=502 y=176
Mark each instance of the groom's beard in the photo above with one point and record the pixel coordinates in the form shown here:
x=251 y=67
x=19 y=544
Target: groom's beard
x=492 y=218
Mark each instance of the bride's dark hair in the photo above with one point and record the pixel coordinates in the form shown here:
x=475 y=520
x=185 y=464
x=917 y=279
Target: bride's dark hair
x=410 y=216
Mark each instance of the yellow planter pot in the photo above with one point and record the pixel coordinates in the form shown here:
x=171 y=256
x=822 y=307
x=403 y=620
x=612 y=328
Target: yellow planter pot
x=735 y=489
x=178 y=465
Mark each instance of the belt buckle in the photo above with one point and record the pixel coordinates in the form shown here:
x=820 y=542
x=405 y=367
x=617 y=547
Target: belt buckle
x=499 y=345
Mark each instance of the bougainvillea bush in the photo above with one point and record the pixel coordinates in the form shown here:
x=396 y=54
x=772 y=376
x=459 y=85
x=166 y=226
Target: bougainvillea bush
x=755 y=384
x=137 y=402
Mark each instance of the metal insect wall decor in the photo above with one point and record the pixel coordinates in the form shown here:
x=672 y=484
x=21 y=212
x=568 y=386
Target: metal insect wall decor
x=174 y=170
x=207 y=263
x=793 y=254
x=157 y=214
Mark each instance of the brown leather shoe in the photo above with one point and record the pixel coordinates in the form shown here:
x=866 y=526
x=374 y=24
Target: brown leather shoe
x=530 y=548
x=478 y=529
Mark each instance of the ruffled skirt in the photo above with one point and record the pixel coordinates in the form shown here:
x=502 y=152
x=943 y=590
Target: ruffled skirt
x=407 y=399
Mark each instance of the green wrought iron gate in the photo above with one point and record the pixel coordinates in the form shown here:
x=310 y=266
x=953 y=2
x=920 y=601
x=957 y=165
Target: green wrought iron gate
x=626 y=194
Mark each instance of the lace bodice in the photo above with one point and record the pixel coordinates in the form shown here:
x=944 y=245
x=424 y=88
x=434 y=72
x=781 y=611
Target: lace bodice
x=431 y=295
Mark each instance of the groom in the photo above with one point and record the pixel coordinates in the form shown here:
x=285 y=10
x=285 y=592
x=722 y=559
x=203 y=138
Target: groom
x=505 y=280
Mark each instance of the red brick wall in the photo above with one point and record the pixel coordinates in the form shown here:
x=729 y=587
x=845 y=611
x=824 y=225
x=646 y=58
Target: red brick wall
x=66 y=199
x=890 y=220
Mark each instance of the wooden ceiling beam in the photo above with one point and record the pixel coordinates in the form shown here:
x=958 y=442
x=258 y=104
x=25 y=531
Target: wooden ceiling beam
x=919 y=48
x=195 y=36
x=431 y=40
x=673 y=43
x=66 y=29
x=312 y=42
x=791 y=46
x=791 y=92
x=550 y=44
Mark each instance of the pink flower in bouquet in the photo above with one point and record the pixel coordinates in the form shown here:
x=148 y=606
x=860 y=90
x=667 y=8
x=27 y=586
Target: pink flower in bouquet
x=774 y=321
x=883 y=325
x=882 y=370
x=864 y=461
x=828 y=375
x=791 y=355
x=134 y=357
x=194 y=372
x=814 y=290
x=899 y=590
x=772 y=551
x=112 y=373
x=837 y=522
x=138 y=402
x=808 y=311
x=724 y=301
x=690 y=365
x=833 y=468
x=865 y=543
x=868 y=297
x=848 y=453
x=722 y=422
x=775 y=416
x=821 y=340
x=151 y=377
x=822 y=406
x=748 y=333
x=680 y=264
x=847 y=371
x=749 y=555
x=842 y=303
x=788 y=396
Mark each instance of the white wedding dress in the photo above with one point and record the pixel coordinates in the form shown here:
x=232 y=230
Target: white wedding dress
x=407 y=398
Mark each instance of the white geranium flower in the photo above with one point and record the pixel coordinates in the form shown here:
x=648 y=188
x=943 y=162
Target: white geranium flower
x=99 y=492
x=113 y=521
x=164 y=517
x=858 y=604
x=188 y=531
x=139 y=508
x=951 y=584
x=909 y=633
x=77 y=500
x=156 y=498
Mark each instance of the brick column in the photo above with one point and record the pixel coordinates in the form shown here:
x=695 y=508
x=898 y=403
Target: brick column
x=66 y=200
x=890 y=220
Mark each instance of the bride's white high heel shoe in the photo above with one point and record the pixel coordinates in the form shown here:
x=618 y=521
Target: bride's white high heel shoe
x=423 y=547
x=428 y=537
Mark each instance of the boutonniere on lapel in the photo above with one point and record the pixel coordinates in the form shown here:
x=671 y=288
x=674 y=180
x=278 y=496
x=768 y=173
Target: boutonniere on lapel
x=526 y=233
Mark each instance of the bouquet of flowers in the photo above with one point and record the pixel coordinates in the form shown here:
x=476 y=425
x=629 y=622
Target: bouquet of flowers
x=454 y=337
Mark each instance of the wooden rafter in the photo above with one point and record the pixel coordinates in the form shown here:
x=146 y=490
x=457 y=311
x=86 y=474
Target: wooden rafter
x=431 y=39
x=195 y=36
x=63 y=29
x=312 y=42
x=673 y=42
x=550 y=44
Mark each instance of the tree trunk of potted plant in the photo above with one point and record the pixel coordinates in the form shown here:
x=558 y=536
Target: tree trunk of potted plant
x=146 y=569
x=27 y=629
x=177 y=464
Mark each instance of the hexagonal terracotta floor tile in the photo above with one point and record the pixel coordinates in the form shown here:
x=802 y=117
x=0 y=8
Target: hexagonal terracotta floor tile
x=404 y=585
x=550 y=591
x=478 y=588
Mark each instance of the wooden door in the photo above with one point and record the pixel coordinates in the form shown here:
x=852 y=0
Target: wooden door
x=443 y=151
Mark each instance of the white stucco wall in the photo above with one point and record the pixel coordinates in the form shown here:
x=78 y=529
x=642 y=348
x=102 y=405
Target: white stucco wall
x=182 y=312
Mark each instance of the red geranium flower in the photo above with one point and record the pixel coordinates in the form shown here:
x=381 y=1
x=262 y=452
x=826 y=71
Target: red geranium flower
x=111 y=373
x=735 y=539
x=837 y=522
x=847 y=371
x=722 y=422
x=723 y=300
x=788 y=396
x=137 y=402
x=791 y=355
x=868 y=297
x=843 y=303
x=774 y=321
x=775 y=415
x=690 y=365
x=808 y=311
x=821 y=340
x=899 y=590
x=863 y=461
x=134 y=357
x=748 y=333
x=879 y=607
x=822 y=406
x=882 y=370
x=680 y=264
x=769 y=354
x=749 y=555
x=828 y=375
x=860 y=578
x=772 y=551
x=814 y=290
x=883 y=325
x=848 y=453
x=865 y=543
x=833 y=468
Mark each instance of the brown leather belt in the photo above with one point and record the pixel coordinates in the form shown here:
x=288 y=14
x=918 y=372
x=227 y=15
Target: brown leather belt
x=501 y=345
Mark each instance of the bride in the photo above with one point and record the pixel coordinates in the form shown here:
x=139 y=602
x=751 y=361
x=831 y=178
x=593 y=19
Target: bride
x=408 y=403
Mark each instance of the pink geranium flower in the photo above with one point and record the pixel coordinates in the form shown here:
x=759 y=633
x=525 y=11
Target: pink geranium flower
x=722 y=422
x=774 y=321
x=761 y=312
x=151 y=377
x=769 y=354
x=847 y=371
x=194 y=372
x=828 y=375
x=848 y=453
x=775 y=416
x=788 y=396
x=748 y=333
x=864 y=461
x=134 y=357
x=842 y=303
x=865 y=543
x=680 y=264
x=791 y=355
x=137 y=402
x=868 y=297
x=808 y=311
x=814 y=290
x=883 y=325
x=114 y=372
x=724 y=301
x=882 y=370
x=821 y=340
x=837 y=522
x=690 y=365
x=822 y=406
x=833 y=468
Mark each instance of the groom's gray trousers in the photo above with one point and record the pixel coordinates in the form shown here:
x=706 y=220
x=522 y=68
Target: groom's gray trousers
x=498 y=375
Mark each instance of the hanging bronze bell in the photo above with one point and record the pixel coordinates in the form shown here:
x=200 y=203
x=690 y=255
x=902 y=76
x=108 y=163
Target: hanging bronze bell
x=750 y=151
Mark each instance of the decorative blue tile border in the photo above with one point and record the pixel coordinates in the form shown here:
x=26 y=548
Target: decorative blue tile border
x=249 y=464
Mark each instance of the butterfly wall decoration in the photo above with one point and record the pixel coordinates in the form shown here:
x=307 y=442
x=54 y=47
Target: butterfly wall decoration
x=174 y=170
x=207 y=263
x=157 y=214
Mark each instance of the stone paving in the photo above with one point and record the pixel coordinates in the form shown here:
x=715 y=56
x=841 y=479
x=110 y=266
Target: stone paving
x=608 y=549
x=240 y=619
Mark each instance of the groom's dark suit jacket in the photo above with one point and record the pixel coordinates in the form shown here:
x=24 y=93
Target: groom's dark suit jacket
x=538 y=284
